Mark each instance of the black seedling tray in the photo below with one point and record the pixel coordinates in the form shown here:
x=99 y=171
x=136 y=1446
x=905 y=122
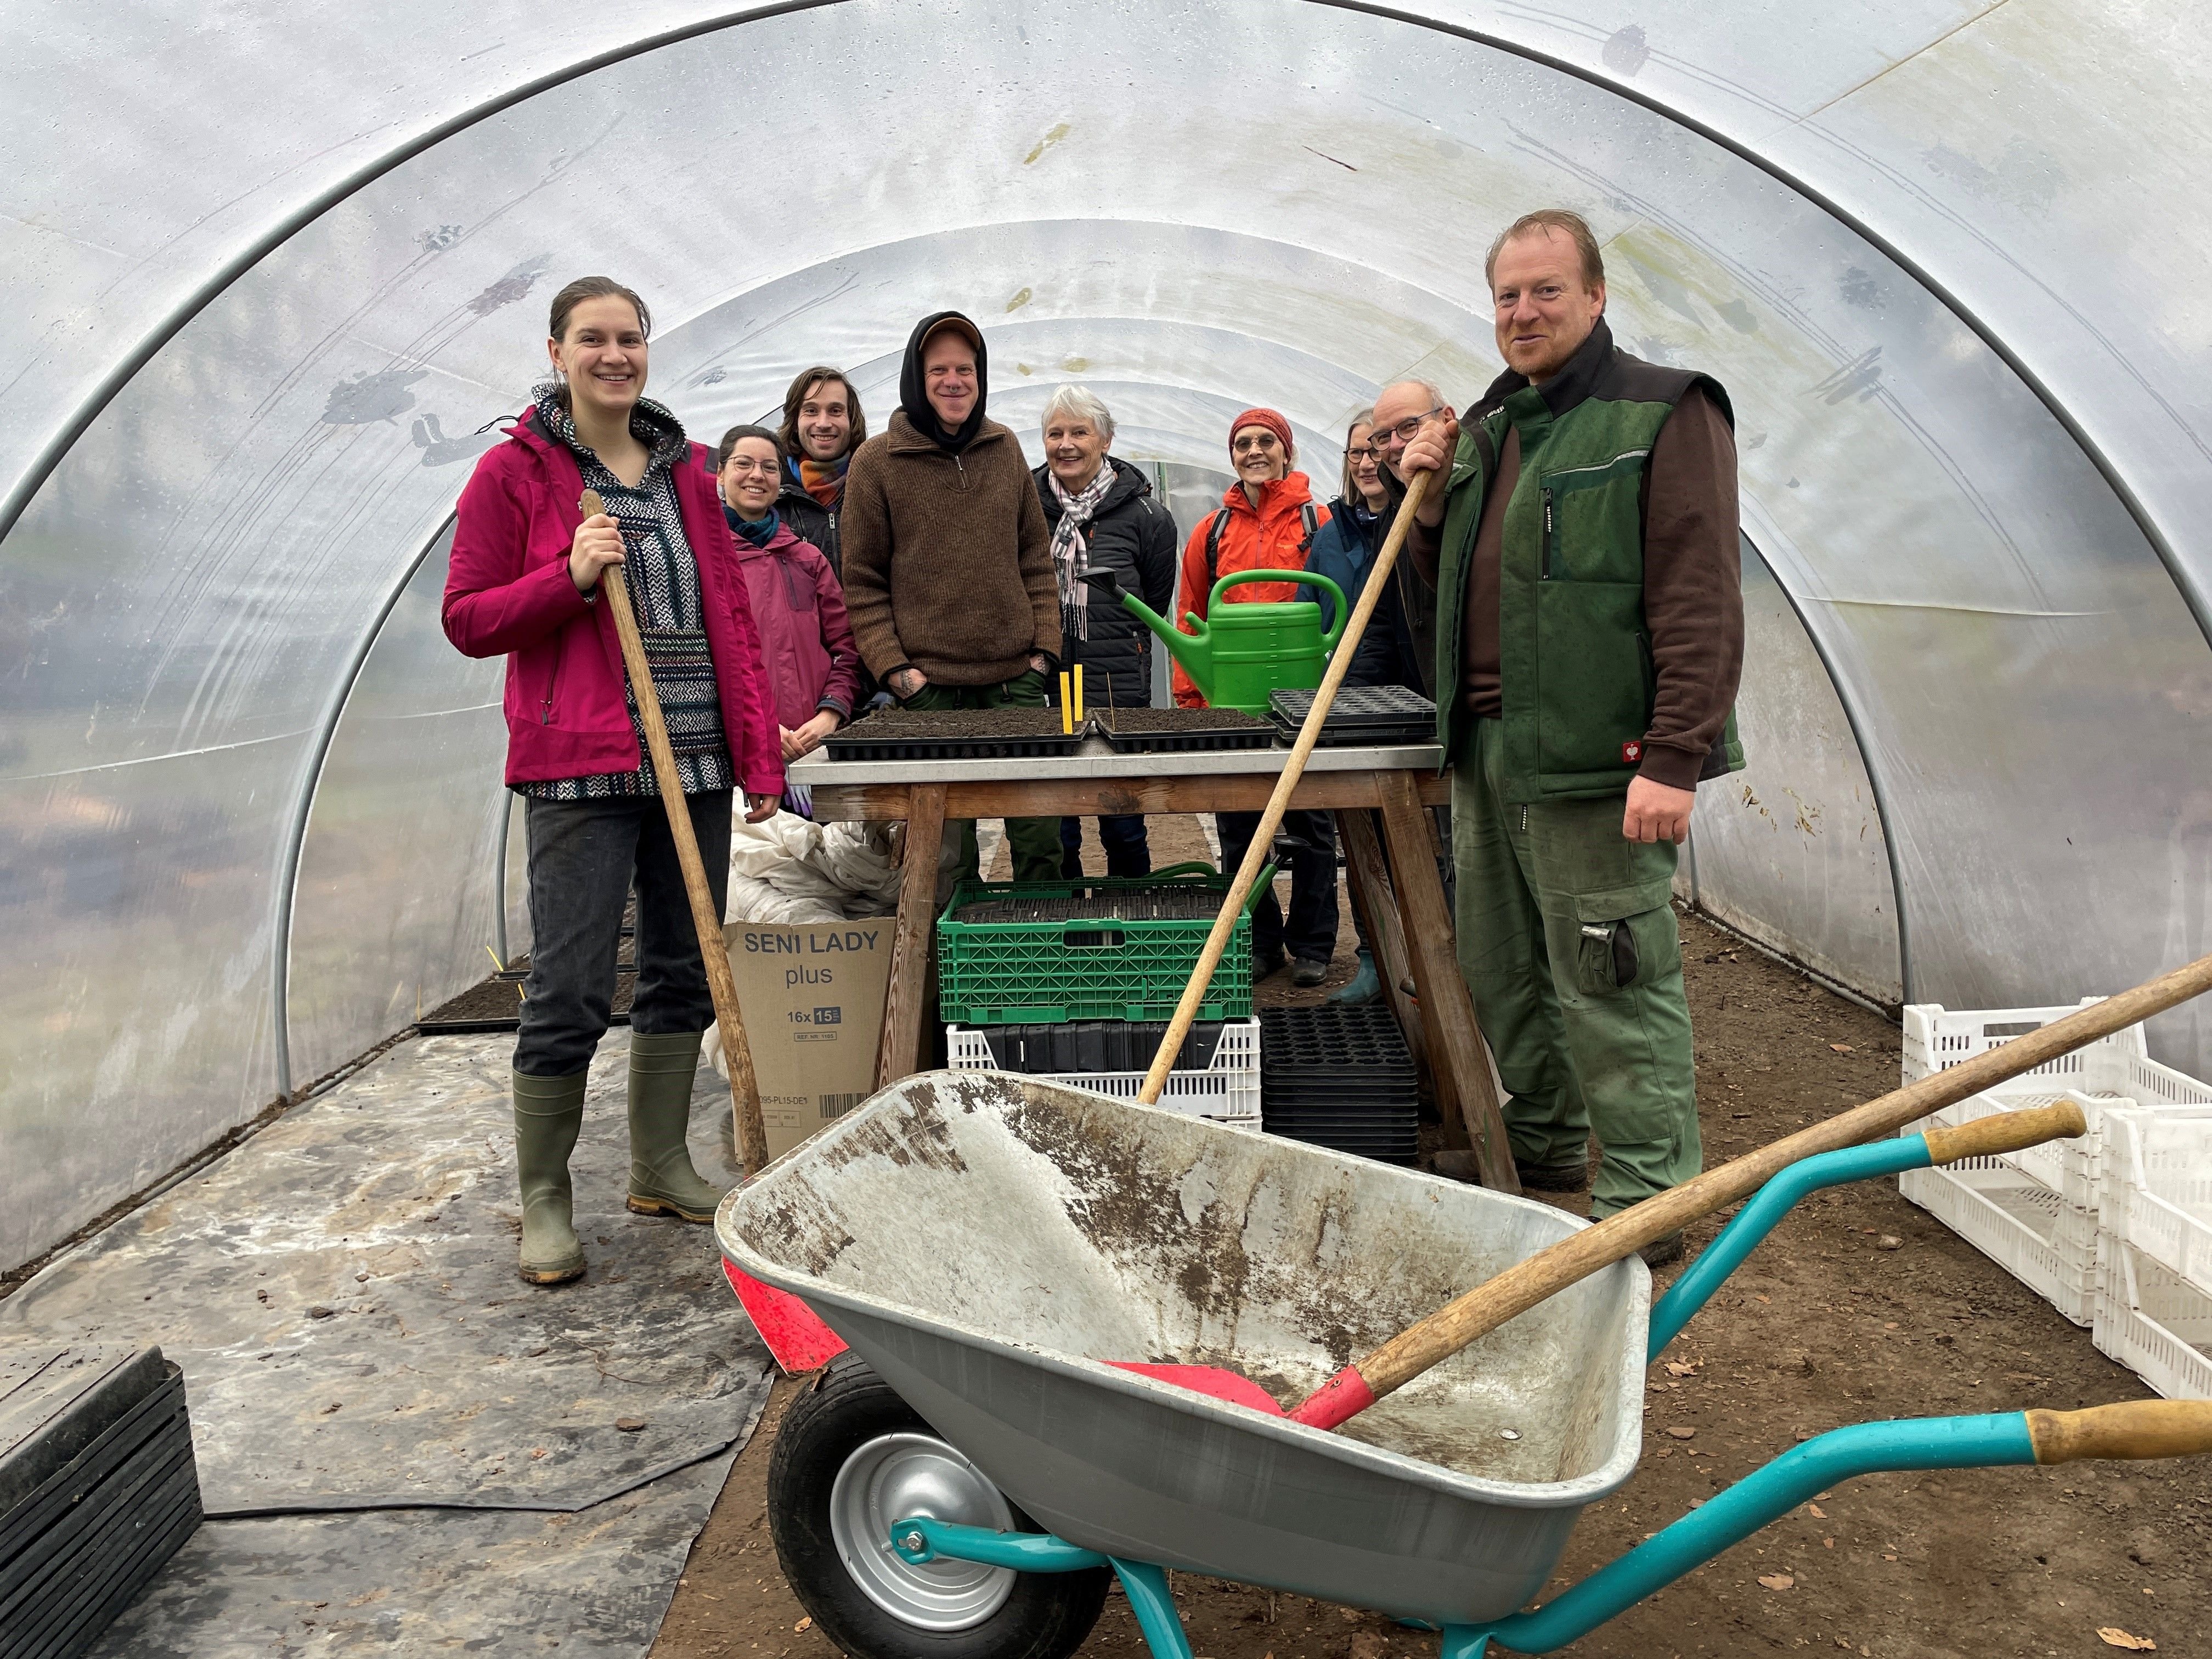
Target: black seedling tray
x=1355 y=705
x=1360 y=736
x=1208 y=729
x=855 y=749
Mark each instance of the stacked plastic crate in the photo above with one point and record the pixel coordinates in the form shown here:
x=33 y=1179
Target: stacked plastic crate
x=2155 y=1294
x=2052 y=1215
x=1074 y=982
x=1342 y=1078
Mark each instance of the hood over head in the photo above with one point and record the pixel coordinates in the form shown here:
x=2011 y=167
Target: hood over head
x=915 y=401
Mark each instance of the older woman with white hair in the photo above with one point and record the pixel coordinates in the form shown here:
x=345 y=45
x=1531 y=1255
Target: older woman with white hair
x=1104 y=518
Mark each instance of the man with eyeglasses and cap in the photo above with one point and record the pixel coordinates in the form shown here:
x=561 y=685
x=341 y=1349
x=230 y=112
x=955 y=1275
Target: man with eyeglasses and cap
x=1589 y=640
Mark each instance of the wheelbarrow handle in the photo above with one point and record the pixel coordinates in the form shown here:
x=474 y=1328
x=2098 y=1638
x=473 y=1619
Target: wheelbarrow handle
x=2007 y=1132
x=2141 y=1428
x=2133 y=1429
x=2004 y=1131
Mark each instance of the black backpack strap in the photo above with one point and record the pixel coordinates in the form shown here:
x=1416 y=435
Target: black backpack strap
x=1313 y=528
x=1213 y=547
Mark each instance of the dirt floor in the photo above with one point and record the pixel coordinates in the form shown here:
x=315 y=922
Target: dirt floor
x=1828 y=1323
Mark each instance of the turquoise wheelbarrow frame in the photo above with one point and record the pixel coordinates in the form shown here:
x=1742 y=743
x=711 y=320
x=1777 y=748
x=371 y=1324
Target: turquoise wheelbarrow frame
x=2140 y=1429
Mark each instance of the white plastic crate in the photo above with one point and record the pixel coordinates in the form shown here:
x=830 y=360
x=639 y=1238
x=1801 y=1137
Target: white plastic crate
x=2156 y=1177
x=1937 y=1038
x=2155 y=1321
x=2019 y=1223
x=1227 y=1092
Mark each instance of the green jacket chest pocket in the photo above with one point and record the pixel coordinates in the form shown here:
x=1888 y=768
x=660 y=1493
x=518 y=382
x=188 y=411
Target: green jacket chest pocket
x=1593 y=520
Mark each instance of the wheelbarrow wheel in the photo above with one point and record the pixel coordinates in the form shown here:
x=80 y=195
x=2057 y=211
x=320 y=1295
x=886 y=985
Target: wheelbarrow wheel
x=851 y=1458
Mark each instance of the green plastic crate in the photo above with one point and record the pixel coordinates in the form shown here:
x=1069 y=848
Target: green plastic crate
x=1091 y=959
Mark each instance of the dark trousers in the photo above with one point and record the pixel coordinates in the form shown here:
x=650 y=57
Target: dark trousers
x=1128 y=853
x=1311 y=932
x=585 y=856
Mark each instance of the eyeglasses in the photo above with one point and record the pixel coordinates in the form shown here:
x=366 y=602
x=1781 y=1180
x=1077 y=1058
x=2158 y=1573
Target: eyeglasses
x=1362 y=452
x=1405 y=429
x=742 y=464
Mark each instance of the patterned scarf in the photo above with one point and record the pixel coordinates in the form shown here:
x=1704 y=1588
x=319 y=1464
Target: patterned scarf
x=825 y=483
x=1070 y=547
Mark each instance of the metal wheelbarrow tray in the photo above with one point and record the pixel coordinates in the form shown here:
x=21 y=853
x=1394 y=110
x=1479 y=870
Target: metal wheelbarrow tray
x=987 y=1243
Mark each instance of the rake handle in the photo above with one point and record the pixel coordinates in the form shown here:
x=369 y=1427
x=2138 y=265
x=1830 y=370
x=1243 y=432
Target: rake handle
x=1256 y=854
x=1521 y=1287
x=721 y=986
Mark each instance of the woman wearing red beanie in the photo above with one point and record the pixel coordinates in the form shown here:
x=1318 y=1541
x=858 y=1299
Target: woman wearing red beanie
x=1266 y=521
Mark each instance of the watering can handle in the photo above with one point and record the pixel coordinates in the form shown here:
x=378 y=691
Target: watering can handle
x=1201 y=868
x=1295 y=578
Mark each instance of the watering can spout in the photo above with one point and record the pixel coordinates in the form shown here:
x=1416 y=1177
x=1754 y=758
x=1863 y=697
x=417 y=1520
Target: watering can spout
x=1193 y=651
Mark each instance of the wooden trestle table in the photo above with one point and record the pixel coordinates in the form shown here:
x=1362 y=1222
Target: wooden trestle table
x=1380 y=796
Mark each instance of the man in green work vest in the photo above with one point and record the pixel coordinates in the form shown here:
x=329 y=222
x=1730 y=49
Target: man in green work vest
x=1589 y=636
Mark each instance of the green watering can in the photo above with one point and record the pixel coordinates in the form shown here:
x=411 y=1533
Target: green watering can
x=1238 y=654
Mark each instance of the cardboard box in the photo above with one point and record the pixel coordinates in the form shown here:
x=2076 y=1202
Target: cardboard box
x=812 y=999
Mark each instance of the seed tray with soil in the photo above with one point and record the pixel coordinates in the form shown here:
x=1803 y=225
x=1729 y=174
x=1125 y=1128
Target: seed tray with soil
x=1161 y=730
x=953 y=734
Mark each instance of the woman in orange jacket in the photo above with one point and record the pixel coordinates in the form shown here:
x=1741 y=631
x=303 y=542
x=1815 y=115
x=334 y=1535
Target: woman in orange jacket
x=1266 y=521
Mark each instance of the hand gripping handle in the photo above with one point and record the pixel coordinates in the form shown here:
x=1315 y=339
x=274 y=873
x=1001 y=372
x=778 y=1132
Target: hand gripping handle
x=2135 y=1428
x=2007 y=1132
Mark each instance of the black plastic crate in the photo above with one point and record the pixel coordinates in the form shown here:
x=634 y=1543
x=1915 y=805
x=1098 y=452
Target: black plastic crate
x=1097 y=1045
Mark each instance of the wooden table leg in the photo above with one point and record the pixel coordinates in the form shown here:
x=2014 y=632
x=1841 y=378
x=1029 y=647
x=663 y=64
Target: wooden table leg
x=1447 y=1011
x=1368 y=875
x=906 y=997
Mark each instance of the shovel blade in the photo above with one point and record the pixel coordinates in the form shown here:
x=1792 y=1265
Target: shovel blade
x=1208 y=1380
x=796 y=1339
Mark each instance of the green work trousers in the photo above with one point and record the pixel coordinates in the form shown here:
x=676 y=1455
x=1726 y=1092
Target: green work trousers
x=1035 y=841
x=1568 y=942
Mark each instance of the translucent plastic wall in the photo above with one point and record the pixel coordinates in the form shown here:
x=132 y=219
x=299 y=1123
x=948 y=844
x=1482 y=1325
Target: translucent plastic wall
x=267 y=270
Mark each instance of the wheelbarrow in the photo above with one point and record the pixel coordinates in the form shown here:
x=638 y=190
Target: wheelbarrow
x=965 y=1480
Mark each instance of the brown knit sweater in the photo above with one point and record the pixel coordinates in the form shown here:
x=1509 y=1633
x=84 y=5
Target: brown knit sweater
x=948 y=561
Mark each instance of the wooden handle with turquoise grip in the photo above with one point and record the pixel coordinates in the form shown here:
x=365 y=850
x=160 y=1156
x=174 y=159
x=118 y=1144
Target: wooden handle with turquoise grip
x=2007 y=1132
x=2133 y=1429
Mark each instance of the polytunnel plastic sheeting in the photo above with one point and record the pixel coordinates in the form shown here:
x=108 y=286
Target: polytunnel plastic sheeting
x=1281 y=203
x=1791 y=850
x=393 y=900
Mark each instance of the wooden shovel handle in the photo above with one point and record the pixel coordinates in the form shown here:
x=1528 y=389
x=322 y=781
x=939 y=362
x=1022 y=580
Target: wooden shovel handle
x=1256 y=855
x=745 y=1087
x=1575 y=1258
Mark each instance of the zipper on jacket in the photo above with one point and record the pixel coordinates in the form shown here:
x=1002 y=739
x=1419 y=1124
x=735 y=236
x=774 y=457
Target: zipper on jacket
x=545 y=704
x=962 y=467
x=1546 y=570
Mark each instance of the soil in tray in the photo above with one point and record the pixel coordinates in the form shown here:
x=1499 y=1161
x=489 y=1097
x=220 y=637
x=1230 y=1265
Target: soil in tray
x=1172 y=721
x=942 y=725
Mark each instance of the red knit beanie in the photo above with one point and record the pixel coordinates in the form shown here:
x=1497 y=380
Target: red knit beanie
x=1266 y=417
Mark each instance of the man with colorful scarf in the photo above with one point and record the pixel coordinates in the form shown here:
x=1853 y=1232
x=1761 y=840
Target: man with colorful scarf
x=1103 y=517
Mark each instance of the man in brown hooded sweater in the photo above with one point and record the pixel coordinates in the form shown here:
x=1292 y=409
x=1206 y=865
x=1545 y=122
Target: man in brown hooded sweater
x=948 y=559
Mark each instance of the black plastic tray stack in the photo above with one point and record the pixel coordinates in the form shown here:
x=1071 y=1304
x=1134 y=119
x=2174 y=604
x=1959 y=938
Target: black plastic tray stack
x=1368 y=716
x=1340 y=1077
x=98 y=1489
x=868 y=739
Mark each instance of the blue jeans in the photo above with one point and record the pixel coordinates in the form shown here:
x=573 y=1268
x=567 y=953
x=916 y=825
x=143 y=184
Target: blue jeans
x=584 y=856
x=1310 y=932
x=1128 y=855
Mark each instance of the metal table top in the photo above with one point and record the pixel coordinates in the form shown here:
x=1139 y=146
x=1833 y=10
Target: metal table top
x=1096 y=759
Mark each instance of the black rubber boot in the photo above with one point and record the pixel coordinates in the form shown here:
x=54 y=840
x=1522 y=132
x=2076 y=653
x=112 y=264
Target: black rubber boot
x=661 y=1179
x=549 y=1113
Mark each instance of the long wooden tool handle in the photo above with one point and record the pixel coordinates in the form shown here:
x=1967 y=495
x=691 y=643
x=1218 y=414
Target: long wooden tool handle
x=1256 y=855
x=745 y=1087
x=2134 y=1428
x=1573 y=1259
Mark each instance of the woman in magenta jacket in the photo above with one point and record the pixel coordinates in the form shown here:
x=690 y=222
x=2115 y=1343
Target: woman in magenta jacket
x=524 y=584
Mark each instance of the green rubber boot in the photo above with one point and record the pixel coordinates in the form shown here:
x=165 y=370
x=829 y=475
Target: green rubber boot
x=661 y=1179
x=549 y=1112
x=1366 y=985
